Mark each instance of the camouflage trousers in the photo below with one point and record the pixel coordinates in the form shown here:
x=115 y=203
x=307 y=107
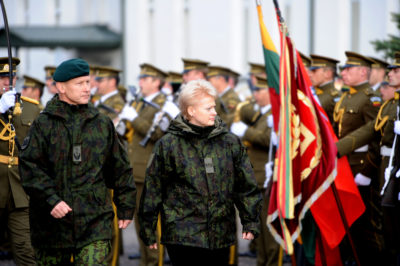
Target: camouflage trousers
x=93 y=254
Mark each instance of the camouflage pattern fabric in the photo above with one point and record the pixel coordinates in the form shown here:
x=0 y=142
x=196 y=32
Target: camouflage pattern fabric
x=195 y=179
x=93 y=254
x=72 y=153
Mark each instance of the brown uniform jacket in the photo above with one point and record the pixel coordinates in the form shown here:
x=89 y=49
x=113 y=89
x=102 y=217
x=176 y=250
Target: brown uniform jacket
x=10 y=181
x=138 y=154
x=226 y=106
x=327 y=95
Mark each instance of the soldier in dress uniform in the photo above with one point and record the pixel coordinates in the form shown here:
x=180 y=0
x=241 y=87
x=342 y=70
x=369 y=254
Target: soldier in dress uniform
x=255 y=127
x=378 y=73
x=391 y=193
x=322 y=75
x=148 y=117
x=110 y=101
x=14 y=202
x=256 y=70
x=33 y=88
x=50 y=83
x=357 y=107
x=94 y=96
x=194 y=69
x=227 y=98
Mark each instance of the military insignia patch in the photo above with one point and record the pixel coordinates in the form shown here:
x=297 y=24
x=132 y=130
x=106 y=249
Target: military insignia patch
x=209 y=165
x=77 y=154
x=376 y=101
x=25 y=143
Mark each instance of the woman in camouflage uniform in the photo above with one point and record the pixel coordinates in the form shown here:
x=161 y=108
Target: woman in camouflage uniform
x=197 y=174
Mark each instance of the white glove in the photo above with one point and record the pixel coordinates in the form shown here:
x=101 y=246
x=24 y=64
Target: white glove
x=274 y=138
x=268 y=173
x=128 y=113
x=7 y=101
x=270 y=121
x=397 y=127
x=171 y=109
x=239 y=128
x=362 y=180
x=120 y=128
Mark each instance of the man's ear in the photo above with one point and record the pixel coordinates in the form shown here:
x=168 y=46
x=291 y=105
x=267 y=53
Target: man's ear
x=60 y=87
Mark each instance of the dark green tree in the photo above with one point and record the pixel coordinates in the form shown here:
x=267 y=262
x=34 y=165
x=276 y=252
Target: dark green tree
x=390 y=46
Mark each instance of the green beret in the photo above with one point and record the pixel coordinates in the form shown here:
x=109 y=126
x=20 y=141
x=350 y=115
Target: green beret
x=71 y=69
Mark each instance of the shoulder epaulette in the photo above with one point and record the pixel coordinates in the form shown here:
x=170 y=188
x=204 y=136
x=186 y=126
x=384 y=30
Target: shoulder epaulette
x=368 y=91
x=334 y=92
x=26 y=99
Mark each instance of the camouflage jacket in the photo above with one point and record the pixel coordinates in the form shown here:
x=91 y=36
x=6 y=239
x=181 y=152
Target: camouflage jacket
x=72 y=153
x=194 y=180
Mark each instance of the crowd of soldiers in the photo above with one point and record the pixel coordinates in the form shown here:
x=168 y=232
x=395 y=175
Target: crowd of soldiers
x=361 y=102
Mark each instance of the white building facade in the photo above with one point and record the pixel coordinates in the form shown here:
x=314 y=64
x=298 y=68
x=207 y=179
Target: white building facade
x=223 y=32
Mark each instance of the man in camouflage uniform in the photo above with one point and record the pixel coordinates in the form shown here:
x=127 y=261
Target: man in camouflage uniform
x=14 y=203
x=33 y=88
x=148 y=116
x=69 y=160
x=322 y=74
x=254 y=126
x=357 y=107
x=227 y=97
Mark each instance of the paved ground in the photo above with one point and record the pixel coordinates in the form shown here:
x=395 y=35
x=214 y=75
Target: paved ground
x=131 y=246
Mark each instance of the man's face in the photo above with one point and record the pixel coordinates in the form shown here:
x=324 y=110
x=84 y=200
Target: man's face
x=352 y=76
x=387 y=92
x=103 y=85
x=317 y=76
x=51 y=85
x=149 y=85
x=192 y=75
x=29 y=92
x=394 y=77
x=75 y=91
x=262 y=97
x=5 y=83
x=377 y=75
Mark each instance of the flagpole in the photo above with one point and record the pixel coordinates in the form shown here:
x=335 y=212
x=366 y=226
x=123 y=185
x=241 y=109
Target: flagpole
x=345 y=224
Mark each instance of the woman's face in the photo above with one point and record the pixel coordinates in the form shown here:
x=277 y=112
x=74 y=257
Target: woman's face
x=203 y=113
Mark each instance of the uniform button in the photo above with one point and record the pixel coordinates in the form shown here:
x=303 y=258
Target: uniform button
x=29 y=123
x=351 y=111
x=362 y=161
x=9 y=166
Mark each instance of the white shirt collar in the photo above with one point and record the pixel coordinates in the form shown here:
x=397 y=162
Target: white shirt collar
x=151 y=97
x=108 y=95
x=265 y=109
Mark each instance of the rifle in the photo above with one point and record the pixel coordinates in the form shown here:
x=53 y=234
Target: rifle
x=156 y=121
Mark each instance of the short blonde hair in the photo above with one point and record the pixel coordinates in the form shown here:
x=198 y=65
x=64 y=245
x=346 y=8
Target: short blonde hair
x=192 y=91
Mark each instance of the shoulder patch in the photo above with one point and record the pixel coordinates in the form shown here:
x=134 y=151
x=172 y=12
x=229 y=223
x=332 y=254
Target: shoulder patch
x=26 y=142
x=376 y=101
x=26 y=99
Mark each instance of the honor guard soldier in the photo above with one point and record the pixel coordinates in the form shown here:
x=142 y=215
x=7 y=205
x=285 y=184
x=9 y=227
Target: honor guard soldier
x=322 y=74
x=256 y=70
x=14 y=202
x=172 y=84
x=255 y=127
x=194 y=69
x=227 y=98
x=378 y=73
x=110 y=101
x=93 y=83
x=356 y=108
x=50 y=84
x=391 y=190
x=148 y=117
x=33 y=88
